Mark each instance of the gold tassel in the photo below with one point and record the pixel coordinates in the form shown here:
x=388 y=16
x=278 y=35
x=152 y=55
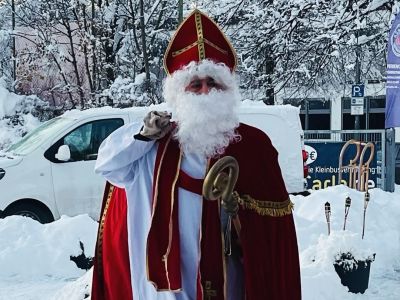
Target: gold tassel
x=265 y=208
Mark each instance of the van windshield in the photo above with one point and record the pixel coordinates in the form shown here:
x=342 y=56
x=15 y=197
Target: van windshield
x=34 y=138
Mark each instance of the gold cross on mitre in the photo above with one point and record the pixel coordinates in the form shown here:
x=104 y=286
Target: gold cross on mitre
x=200 y=40
x=197 y=38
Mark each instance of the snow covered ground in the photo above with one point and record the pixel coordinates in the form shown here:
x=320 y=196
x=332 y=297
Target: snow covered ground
x=35 y=259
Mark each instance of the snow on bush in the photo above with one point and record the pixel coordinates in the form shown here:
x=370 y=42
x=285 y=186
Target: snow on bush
x=126 y=92
x=18 y=115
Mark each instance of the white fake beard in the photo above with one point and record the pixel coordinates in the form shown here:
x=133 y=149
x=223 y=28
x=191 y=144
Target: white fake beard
x=206 y=123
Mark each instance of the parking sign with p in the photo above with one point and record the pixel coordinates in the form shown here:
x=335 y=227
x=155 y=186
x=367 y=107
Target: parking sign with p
x=357 y=90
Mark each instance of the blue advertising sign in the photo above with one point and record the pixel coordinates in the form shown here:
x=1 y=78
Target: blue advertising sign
x=323 y=164
x=392 y=111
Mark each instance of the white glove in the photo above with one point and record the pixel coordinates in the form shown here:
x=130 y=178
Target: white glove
x=156 y=125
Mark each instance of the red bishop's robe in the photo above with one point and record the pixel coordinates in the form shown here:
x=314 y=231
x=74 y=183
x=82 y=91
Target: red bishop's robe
x=267 y=239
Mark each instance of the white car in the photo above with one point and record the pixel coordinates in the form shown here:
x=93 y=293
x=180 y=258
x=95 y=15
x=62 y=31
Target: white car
x=49 y=172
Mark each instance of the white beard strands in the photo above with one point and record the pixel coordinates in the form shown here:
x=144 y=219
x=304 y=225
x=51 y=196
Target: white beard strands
x=206 y=123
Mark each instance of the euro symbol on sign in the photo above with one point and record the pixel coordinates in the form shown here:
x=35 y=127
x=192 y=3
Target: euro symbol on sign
x=312 y=154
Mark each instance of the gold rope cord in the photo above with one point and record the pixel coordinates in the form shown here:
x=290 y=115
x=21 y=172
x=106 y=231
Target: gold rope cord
x=265 y=208
x=101 y=230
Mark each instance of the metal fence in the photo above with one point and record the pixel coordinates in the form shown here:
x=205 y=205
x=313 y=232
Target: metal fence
x=383 y=142
x=376 y=136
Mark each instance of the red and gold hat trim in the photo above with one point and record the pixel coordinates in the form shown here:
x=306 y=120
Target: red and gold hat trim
x=181 y=49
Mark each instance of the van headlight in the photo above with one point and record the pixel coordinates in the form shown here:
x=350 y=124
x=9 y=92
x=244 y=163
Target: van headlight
x=2 y=173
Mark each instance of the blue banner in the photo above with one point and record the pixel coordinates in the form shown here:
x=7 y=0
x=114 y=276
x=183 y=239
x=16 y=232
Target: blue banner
x=392 y=112
x=323 y=164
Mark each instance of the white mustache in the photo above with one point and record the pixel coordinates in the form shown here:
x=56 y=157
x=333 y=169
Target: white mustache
x=206 y=123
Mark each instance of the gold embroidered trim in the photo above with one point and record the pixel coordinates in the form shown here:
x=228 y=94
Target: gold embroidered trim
x=233 y=51
x=215 y=46
x=101 y=230
x=198 y=42
x=265 y=208
x=196 y=11
x=200 y=36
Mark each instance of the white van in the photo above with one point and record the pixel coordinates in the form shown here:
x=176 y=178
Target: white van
x=49 y=172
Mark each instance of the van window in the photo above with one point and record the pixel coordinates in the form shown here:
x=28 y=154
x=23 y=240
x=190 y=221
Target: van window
x=36 y=137
x=79 y=142
x=84 y=141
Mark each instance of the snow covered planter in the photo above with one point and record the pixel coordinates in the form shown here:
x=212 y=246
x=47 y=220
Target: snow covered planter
x=353 y=273
x=351 y=266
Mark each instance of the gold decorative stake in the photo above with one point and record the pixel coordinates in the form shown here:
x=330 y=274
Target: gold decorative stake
x=328 y=216
x=346 y=210
x=366 y=201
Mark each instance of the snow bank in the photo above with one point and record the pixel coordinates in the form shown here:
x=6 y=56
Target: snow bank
x=76 y=290
x=29 y=249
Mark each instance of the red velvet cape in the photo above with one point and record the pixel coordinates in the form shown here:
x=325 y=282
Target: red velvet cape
x=268 y=240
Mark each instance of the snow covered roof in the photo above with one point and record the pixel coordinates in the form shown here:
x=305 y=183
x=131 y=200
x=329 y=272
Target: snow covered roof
x=246 y=106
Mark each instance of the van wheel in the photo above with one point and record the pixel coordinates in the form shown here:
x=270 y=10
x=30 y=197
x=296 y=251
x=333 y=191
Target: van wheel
x=32 y=209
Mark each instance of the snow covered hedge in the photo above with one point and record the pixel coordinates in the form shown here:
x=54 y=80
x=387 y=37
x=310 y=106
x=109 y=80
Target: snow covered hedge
x=18 y=114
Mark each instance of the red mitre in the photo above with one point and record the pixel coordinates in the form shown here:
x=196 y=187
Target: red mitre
x=197 y=38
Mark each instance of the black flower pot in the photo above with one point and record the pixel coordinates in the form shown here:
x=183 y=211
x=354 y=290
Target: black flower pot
x=353 y=273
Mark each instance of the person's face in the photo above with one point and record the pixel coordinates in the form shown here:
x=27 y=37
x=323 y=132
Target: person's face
x=203 y=85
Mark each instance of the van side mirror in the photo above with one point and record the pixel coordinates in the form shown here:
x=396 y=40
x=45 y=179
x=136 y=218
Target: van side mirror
x=63 y=153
